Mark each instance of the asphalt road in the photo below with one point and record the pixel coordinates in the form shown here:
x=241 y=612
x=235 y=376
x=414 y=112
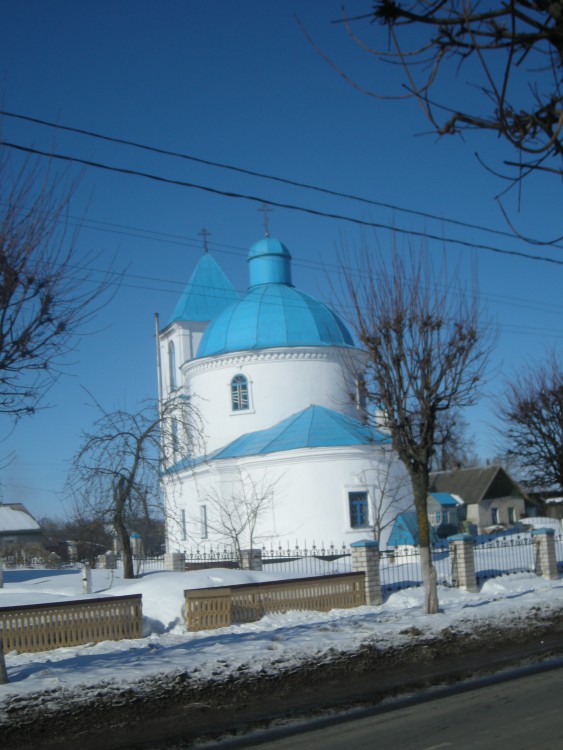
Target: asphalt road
x=521 y=714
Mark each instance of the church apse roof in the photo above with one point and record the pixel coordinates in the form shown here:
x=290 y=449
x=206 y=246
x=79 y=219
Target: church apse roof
x=314 y=427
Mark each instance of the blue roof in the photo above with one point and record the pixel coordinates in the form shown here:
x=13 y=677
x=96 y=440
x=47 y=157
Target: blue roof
x=273 y=313
x=444 y=498
x=207 y=293
x=314 y=427
x=405 y=530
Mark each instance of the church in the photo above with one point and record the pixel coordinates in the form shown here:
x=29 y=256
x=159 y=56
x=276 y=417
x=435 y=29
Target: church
x=286 y=454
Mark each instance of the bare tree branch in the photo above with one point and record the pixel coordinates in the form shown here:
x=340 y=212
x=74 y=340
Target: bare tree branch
x=116 y=473
x=46 y=292
x=427 y=348
x=532 y=417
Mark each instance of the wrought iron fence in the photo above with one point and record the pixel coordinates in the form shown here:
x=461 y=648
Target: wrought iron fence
x=559 y=551
x=400 y=568
x=212 y=557
x=504 y=555
x=310 y=561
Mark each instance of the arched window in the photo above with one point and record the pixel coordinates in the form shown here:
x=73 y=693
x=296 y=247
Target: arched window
x=239 y=393
x=172 y=365
x=175 y=437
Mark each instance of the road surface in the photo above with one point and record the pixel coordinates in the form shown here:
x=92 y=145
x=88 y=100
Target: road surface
x=521 y=714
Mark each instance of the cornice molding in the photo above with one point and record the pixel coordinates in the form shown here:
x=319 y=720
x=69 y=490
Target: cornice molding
x=291 y=354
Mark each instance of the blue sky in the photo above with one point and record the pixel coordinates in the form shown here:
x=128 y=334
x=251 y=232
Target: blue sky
x=238 y=83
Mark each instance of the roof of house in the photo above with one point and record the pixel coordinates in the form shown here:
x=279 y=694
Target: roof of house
x=207 y=293
x=476 y=484
x=446 y=499
x=314 y=427
x=15 y=518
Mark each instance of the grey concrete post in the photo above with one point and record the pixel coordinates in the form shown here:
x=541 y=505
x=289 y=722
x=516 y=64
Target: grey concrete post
x=251 y=559
x=365 y=557
x=546 y=558
x=3 y=670
x=463 y=562
x=175 y=561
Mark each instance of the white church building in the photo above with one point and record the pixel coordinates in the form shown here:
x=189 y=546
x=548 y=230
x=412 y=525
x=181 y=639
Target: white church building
x=286 y=456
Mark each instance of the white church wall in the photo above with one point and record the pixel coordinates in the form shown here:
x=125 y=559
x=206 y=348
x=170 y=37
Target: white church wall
x=281 y=382
x=310 y=496
x=186 y=338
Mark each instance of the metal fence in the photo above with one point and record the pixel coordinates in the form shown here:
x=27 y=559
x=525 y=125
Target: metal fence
x=504 y=555
x=400 y=568
x=310 y=561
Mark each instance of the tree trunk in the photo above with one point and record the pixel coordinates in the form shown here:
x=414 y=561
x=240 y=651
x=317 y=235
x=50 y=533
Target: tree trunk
x=429 y=578
x=125 y=544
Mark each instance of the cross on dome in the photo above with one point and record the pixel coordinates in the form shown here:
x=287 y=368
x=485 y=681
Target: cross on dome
x=265 y=208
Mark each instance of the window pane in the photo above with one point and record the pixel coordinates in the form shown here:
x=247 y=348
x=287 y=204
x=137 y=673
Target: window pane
x=172 y=365
x=239 y=393
x=359 y=517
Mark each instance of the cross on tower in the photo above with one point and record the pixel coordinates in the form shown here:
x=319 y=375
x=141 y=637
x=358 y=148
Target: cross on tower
x=205 y=234
x=266 y=210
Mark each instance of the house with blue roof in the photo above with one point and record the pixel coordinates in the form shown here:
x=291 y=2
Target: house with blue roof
x=273 y=375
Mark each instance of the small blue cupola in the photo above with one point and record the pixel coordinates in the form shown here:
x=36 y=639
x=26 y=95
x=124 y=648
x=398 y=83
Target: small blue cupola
x=269 y=262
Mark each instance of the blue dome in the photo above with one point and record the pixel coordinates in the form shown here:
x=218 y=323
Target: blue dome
x=273 y=313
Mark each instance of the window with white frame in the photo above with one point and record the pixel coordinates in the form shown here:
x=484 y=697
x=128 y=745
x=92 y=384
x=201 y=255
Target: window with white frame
x=359 y=511
x=494 y=516
x=511 y=515
x=239 y=393
x=203 y=521
x=172 y=365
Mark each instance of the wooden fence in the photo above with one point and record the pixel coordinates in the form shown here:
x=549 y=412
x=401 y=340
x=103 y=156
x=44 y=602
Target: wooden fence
x=42 y=627
x=207 y=609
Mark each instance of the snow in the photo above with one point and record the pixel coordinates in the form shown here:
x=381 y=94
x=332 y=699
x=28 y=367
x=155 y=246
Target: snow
x=275 y=642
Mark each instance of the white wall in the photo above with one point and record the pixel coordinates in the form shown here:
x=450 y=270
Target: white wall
x=282 y=382
x=310 y=494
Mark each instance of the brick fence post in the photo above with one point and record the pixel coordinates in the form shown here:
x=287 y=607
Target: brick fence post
x=175 y=561
x=251 y=559
x=463 y=562
x=545 y=556
x=365 y=557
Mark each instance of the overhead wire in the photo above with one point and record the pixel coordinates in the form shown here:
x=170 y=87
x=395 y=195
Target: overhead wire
x=279 y=204
x=261 y=175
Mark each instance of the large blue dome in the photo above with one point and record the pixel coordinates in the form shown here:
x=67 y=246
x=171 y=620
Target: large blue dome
x=273 y=313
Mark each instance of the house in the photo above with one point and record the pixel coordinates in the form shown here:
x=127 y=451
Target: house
x=274 y=376
x=491 y=498
x=444 y=513
x=17 y=526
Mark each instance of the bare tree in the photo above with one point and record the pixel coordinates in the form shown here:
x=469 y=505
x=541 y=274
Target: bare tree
x=454 y=446
x=46 y=291
x=426 y=353
x=390 y=490
x=234 y=514
x=532 y=416
x=116 y=473
x=512 y=53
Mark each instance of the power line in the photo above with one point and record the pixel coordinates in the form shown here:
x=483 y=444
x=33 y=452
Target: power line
x=279 y=204
x=262 y=175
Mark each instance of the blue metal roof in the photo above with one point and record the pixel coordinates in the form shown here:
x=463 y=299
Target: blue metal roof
x=207 y=293
x=444 y=498
x=273 y=313
x=314 y=427
x=405 y=530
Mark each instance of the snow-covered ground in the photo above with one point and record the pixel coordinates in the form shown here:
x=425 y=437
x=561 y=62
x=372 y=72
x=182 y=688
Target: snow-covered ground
x=275 y=642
